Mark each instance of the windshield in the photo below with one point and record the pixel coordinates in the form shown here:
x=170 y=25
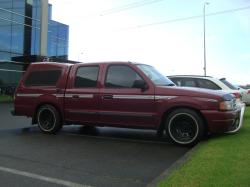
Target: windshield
x=156 y=77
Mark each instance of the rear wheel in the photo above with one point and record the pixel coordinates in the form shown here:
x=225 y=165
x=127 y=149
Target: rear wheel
x=184 y=126
x=48 y=119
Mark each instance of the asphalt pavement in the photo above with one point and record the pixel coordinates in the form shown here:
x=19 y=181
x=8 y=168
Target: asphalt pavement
x=80 y=156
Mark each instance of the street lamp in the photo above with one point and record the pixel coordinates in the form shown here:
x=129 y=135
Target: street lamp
x=204 y=36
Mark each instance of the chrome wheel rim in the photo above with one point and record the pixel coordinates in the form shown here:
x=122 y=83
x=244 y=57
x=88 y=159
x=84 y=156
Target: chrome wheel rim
x=183 y=128
x=46 y=119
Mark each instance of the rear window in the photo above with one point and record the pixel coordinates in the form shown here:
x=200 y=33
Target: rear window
x=203 y=83
x=228 y=84
x=43 y=78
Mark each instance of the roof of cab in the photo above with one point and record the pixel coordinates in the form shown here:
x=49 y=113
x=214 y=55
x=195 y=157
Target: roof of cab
x=51 y=63
x=58 y=64
x=108 y=62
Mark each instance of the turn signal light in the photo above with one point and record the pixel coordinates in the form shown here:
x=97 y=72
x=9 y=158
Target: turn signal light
x=226 y=105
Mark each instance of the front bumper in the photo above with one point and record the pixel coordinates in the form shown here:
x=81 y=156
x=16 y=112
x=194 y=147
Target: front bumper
x=238 y=121
x=225 y=121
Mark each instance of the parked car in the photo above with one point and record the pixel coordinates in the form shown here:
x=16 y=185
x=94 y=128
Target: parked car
x=206 y=82
x=122 y=94
x=245 y=95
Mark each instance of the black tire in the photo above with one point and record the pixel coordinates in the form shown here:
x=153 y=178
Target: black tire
x=184 y=126
x=48 y=119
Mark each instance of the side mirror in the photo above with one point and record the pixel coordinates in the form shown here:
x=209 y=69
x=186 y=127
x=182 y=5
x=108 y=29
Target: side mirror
x=140 y=84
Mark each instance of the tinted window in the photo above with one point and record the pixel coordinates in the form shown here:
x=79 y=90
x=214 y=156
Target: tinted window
x=189 y=83
x=43 y=78
x=183 y=81
x=86 y=77
x=176 y=81
x=120 y=76
x=203 y=83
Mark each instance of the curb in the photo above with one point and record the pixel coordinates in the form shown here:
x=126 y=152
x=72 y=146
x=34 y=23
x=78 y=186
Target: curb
x=176 y=165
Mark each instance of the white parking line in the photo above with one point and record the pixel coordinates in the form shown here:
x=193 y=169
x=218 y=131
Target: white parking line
x=42 y=178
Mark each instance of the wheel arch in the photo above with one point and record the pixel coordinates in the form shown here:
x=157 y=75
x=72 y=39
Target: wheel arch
x=34 y=118
x=168 y=111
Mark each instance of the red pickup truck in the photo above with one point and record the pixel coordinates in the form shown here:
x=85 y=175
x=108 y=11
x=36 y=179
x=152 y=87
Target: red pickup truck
x=121 y=94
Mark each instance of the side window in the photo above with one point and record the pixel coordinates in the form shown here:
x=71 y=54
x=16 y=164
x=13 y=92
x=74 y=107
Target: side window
x=208 y=84
x=176 y=81
x=86 y=77
x=43 y=78
x=189 y=83
x=121 y=76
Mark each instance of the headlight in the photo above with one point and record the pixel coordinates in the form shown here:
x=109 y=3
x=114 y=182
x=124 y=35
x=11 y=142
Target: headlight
x=227 y=105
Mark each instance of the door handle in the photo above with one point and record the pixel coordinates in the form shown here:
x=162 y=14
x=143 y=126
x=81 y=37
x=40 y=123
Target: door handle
x=58 y=90
x=107 y=97
x=75 y=96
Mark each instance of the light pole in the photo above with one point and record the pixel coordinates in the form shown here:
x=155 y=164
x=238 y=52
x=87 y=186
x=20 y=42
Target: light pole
x=204 y=37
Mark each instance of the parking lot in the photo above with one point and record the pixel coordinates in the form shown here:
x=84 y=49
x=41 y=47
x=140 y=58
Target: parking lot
x=79 y=156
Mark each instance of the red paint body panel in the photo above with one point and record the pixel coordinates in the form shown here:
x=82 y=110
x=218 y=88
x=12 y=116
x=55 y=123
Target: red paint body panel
x=123 y=107
x=83 y=109
x=141 y=112
x=220 y=121
x=27 y=105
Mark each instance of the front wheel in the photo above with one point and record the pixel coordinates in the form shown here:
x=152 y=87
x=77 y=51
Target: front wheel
x=48 y=119
x=184 y=126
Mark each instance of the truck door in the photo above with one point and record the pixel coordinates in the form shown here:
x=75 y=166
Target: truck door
x=123 y=104
x=82 y=95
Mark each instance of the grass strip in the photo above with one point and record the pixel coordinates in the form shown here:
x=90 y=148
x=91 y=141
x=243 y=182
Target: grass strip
x=5 y=98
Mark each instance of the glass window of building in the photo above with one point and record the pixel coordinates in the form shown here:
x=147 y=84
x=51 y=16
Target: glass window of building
x=20 y=37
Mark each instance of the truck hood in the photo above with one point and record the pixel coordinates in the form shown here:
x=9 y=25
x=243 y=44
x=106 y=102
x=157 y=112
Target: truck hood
x=193 y=92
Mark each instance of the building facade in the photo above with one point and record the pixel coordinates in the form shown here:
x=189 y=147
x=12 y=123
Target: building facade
x=20 y=38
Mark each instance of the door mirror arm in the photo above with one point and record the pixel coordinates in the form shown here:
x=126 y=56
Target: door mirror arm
x=141 y=84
